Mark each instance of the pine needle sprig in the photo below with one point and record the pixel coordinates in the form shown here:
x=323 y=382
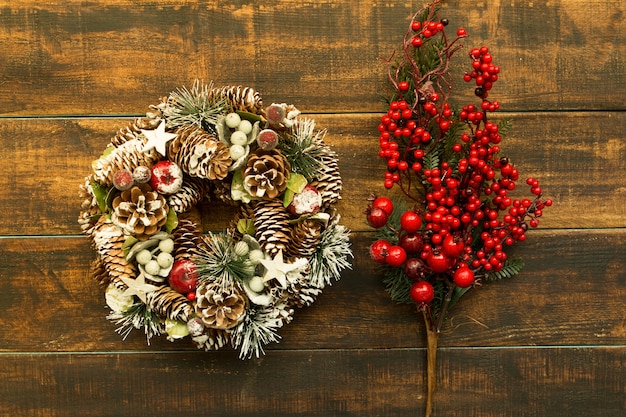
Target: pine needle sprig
x=304 y=149
x=136 y=317
x=510 y=268
x=398 y=285
x=197 y=106
x=332 y=255
x=259 y=328
x=218 y=262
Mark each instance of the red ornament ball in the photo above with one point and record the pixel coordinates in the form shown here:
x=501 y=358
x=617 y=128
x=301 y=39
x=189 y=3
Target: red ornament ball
x=463 y=277
x=376 y=217
x=384 y=203
x=379 y=250
x=396 y=256
x=411 y=222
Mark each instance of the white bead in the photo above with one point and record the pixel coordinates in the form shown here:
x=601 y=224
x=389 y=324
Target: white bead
x=236 y=152
x=256 y=255
x=232 y=120
x=152 y=267
x=256 y=284
x=238 y=138
x=242 y=248
x=166 y=245
x=143 y=257
x=164 y=260
x=245 y=126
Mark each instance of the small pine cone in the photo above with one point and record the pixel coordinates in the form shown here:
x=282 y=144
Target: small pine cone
x=128 y=155
x=190 y=194
x=168 y=303
x=298 y=293
x=272 y=228
x=132 y=131
x=99 y=272
x=139 y=211
x=187 y=237
x=220 y=308
x=199 y=153
x=304 y=239
x=266 y=174
x=108 y=240
x=89 y=210
x=212 y=339
x=241 y=98
x=328 y=181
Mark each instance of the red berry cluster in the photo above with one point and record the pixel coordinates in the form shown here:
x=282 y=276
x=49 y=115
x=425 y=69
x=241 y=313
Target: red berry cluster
x=449 y=164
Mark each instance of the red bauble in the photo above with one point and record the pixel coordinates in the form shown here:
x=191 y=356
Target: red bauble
x=379 y=250
x=396 y=256
x=376 y=217
x=422 y=292
x=184 y=276
x=463 y=277
x=385 y=204
x=167 y=177
x=411 y=222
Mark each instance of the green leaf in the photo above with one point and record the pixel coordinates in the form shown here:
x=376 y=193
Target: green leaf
x=128 y=244
x=172 y=221
x=101 y=193
x=252 y=117
x=246 y=227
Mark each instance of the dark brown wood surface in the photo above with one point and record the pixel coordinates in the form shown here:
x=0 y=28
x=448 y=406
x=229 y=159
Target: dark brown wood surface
x=549 y=342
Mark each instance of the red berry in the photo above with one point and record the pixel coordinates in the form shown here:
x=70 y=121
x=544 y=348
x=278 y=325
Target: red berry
x=452 y=247
x=461 y=32
x=379 y=250
x=438 y=262
x=384 y=203
x=410 y=221
x=403 y=86
x=411 y=242
x=123 y=180
x=414 y=268
x=396 y=256
x=463 y=277
x=416 y=26
x=377 y=217
x=422 y=292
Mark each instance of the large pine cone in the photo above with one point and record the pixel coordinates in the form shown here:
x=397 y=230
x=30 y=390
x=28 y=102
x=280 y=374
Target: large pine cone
x=108 y=240
x=190 y=194
x=133 y=130
x=187 y=237
x=266 y=174
x=89 y=210
x=168 y=303
x=271 y=224
x=304 y=239
x=199 y=153
x=240 y=98
x=139 y=211
x=220 y=308
x=328 y=179
x=128 y=155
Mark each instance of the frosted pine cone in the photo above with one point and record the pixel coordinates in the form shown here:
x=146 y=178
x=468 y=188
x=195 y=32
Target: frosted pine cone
x=128 y=155
x=108 y=240
x=304 y=239
x=132 y=131
x=89 y=210
x=328 y=179
x=220 y=308
x=266 y=174
x=139 y=211
x=187 y=237
x=190 y=194
x=199 y=153
x=271 y=224
x=240 y=98
x=167 y=303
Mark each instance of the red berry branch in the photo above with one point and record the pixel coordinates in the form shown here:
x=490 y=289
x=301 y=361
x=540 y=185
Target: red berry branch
x=452 y=230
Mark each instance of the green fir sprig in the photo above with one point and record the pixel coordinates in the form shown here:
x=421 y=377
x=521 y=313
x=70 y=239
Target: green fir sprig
x=196 y=106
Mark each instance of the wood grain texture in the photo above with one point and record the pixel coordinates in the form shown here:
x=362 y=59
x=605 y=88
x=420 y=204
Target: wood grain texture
x=549 y=342
x=112 y=57
x=570 y=293
x=578 y=166
x=537 y=382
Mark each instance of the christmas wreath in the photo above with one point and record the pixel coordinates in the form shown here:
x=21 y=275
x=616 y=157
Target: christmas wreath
x=457 y=213
x=198 y=148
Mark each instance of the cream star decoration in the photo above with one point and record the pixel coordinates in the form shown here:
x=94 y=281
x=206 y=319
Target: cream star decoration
x=276 y=268
x=157 y=138
x=138 y=287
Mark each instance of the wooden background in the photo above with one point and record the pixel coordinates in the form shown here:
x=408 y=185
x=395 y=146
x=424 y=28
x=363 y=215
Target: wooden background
x=550 y=342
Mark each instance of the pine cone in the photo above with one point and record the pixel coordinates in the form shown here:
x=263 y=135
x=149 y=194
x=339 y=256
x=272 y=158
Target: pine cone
x=304 y=239
x=132 y=131
x=241 y=98
x=221 y=191
x=266 y=174
x=190 y=194
x=89 y=210
x=187 y=237
x=220 y=308
x=199 y=153
x=168 y=303
x=108 y=240
x=128 y=155
x=298 y=292
x=139 y=211
x=272 y=228
x=328 y=180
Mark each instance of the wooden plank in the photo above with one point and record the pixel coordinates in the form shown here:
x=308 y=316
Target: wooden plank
x=578 y=166
x=571 y=292
x=114 y=57
x=577 y=382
